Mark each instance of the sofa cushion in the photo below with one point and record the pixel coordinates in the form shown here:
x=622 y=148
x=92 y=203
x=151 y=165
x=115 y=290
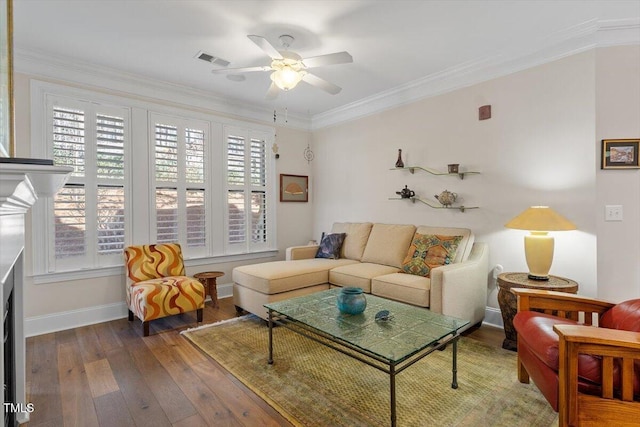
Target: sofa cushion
x=357 y=234
x=403 y=287
x=330 y=246
x=282 y=276
x=358 y=275
x=624 y=316
x=465 y=245
x=428 y=251
x=388 y=244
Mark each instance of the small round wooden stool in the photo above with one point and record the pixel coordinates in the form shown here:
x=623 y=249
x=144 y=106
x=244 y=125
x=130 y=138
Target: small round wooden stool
x=208 y=279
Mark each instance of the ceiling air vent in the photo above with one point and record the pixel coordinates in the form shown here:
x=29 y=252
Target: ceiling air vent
x=212 y=59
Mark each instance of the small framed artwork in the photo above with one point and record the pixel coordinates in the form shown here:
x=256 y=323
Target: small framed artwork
x=294 y=188
x=620 y=154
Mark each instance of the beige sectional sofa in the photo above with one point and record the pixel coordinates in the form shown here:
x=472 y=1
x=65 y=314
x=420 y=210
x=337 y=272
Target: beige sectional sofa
x=371 y=257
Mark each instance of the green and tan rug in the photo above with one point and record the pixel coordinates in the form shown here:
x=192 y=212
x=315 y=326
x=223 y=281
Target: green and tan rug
x=312 y=385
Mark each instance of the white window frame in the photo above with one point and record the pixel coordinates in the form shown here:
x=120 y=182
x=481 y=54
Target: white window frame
x=247 y=246
x=44 y=231
x=139 y=209
x=181 y=185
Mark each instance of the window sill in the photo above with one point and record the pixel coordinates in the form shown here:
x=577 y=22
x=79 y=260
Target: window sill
x=91 y=273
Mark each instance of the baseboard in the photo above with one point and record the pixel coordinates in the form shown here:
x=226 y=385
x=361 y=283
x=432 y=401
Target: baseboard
x=493 y=317
x=39 y=325
x=225 y=291
x=55 y=322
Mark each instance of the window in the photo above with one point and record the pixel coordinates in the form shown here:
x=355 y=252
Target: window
x=180 y=182
x=89 y=213
x=247 y=190
x=144 y=173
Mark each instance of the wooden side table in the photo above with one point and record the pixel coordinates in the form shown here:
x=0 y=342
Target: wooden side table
x=509 y=302
x=208 y=279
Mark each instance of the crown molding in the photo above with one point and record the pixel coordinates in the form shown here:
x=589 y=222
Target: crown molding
x=76 y=73
x=618 y=32
x=580 y=38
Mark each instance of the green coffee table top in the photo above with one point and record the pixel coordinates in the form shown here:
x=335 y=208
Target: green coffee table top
x=409 y=330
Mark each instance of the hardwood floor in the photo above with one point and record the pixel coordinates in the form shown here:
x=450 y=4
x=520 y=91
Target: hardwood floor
x=110 y=375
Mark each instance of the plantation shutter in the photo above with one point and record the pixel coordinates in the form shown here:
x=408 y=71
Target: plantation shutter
x=247 y=191
x=110 y=200
x=237 y=222
x=166 y=173
x=180 y=183
x=258 y=191
x=89 y=216
x=195 y=196
x=68 y=140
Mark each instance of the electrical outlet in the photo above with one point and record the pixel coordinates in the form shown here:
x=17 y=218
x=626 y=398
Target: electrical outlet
x=613 y=213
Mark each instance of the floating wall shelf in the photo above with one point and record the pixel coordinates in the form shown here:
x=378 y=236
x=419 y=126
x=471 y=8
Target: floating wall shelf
x=433 y=205
x=412 y=169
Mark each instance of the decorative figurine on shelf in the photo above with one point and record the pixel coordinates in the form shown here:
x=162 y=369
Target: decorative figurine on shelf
x=406 y=193
x=446 y=198
x=399 y=162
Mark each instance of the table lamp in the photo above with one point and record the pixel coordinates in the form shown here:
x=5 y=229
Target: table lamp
x=538 y=246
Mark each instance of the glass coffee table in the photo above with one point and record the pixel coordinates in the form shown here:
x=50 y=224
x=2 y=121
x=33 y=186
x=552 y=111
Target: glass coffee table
x=409 y=334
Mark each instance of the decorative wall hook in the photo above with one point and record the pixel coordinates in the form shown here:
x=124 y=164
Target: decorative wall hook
x=308 y=154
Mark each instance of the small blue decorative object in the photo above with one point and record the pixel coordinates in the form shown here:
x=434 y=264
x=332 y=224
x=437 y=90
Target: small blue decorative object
x=383 y=316
x=351 y=300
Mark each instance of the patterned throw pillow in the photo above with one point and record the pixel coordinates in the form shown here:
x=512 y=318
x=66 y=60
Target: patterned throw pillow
x=330 y=246
x=428 y=251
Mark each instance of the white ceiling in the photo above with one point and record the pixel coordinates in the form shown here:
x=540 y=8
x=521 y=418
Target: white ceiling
x=394 y=43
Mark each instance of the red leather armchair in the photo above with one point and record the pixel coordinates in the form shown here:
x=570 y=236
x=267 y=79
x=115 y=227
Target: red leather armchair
x=590 y=375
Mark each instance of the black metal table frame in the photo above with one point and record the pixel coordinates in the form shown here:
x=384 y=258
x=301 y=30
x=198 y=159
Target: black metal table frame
x=392 y=368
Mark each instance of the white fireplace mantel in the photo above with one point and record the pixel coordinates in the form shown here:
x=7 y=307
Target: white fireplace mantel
x=20 y=186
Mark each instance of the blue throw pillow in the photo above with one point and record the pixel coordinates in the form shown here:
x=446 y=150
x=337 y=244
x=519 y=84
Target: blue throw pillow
x=330 y=246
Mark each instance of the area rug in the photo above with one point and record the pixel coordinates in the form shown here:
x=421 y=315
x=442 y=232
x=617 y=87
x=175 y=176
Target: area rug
x=312 y=385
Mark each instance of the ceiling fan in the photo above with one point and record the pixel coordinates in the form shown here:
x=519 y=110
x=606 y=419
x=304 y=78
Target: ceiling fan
x=288 y=68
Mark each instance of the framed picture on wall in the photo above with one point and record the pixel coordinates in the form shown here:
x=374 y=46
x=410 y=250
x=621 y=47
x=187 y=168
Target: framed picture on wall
x=294 y=188
x=620 y=153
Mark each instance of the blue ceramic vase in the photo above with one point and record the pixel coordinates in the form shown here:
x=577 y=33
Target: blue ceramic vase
x=351 y=300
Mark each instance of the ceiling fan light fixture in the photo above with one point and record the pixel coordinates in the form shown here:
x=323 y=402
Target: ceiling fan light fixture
x=286 y=77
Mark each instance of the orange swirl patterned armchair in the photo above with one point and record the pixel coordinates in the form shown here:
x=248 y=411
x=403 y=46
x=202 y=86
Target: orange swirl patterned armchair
x=156 y=285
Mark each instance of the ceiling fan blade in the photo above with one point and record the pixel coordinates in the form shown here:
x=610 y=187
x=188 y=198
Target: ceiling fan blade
x=241 y=70
x=273 y=92
x=329 y=59
x=266 y=46
x=316 y=81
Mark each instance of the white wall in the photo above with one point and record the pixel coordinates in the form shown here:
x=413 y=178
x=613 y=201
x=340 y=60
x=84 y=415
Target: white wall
x=537 y=149
x=618 y=116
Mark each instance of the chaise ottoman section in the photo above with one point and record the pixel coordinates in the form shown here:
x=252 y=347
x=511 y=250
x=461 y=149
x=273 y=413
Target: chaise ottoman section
x=358 y=275
x=282 y=276
x=258 y=284
x=403 y=287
